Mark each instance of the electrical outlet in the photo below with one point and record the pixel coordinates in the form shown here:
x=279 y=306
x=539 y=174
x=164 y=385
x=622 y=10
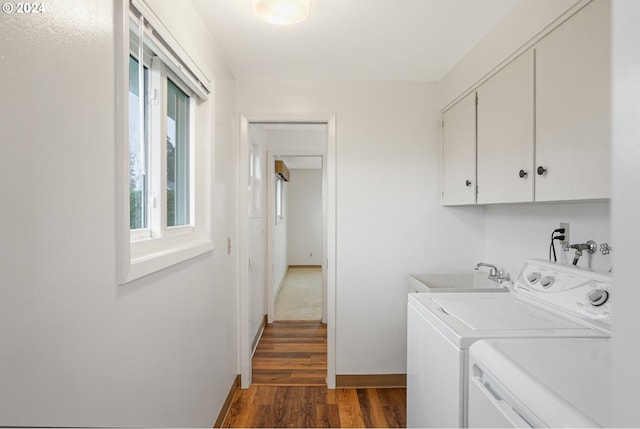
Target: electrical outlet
x=565 y=242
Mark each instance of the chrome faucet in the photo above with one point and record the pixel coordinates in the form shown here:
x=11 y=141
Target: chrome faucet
x=590 y=246
x=494 y=273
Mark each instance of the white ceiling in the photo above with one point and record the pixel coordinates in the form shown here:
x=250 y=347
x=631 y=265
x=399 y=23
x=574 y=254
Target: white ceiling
x=406 y=40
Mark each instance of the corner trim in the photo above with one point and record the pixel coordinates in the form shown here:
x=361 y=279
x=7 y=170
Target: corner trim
x=235 y=386
x=370 y=381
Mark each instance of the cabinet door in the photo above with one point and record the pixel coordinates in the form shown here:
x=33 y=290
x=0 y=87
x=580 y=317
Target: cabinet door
x=572 y=108
x=459 y=153
x=505 y=134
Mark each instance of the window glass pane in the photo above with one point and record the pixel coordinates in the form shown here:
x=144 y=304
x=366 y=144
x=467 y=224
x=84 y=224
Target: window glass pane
x=177 y=156
x=137 y=163
x=279 y=214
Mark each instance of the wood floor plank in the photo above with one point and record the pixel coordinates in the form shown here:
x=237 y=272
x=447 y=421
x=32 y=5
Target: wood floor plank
x=239 y=412
x=289 y=387
x=349 y=409
x=372 y=411
x=311 y=406
x=263 y=396
x=396 y=417
x=395 y=397
x=291 y=353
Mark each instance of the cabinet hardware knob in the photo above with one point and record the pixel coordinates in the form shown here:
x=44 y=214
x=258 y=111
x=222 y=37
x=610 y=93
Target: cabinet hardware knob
x=467 y=183
x=523 y=174
x=541 y=170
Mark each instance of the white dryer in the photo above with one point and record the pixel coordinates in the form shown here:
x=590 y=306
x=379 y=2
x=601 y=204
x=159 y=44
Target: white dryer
x=547 y=301
x=542 y=382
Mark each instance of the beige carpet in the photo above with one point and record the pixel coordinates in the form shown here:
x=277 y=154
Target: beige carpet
x=300 y=297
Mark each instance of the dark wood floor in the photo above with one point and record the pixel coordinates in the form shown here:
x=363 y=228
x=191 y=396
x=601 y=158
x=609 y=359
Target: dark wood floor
x=291 y=354
x=316 y=407
x=289 y=389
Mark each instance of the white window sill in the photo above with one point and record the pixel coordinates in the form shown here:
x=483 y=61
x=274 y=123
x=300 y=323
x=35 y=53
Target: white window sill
x=162 y=254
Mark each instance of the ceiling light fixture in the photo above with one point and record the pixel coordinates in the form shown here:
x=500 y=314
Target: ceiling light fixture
x=283 y=12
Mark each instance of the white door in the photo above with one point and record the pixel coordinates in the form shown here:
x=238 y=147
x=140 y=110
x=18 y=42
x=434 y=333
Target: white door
x=505 y=134
x=573 y=128
x=459 y=153
x=256 y=264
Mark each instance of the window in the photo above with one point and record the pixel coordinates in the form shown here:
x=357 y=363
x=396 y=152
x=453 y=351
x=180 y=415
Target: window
x=168 y=123
x=279 y=199
x=151 y=146
x=137 y=150
x=177 y=156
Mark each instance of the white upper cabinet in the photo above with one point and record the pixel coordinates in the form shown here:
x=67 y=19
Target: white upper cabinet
x=543 y=125
x=459 y=153
x=506 y=134
x=572 y=108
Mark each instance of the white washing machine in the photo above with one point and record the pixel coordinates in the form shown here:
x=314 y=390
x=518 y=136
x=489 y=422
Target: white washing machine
x=549 y=382
x=548 y=300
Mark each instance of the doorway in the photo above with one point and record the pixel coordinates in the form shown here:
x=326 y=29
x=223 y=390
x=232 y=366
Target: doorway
x=264 y=141
x=296 y=239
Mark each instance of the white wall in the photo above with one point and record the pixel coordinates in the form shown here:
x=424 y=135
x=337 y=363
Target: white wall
x=626 y=211
x=304 y=217
x=297 y=138
x=514 y=233
x=389 y=219
x=76 y=349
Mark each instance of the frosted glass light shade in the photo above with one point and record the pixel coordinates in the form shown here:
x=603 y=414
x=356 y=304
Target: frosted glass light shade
x=282 y=12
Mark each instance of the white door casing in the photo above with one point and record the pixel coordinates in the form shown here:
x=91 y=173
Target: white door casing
x=245 y=337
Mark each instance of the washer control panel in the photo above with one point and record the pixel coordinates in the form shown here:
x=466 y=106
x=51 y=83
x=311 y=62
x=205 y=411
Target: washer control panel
x=586 y=294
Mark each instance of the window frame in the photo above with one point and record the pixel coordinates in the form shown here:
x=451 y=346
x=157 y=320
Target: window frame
x=145 y=251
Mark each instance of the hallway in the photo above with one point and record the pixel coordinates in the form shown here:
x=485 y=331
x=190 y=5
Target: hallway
x=289 y=388
x=300 y=297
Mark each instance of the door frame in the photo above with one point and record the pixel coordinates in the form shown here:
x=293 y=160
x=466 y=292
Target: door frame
x=244 y=335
